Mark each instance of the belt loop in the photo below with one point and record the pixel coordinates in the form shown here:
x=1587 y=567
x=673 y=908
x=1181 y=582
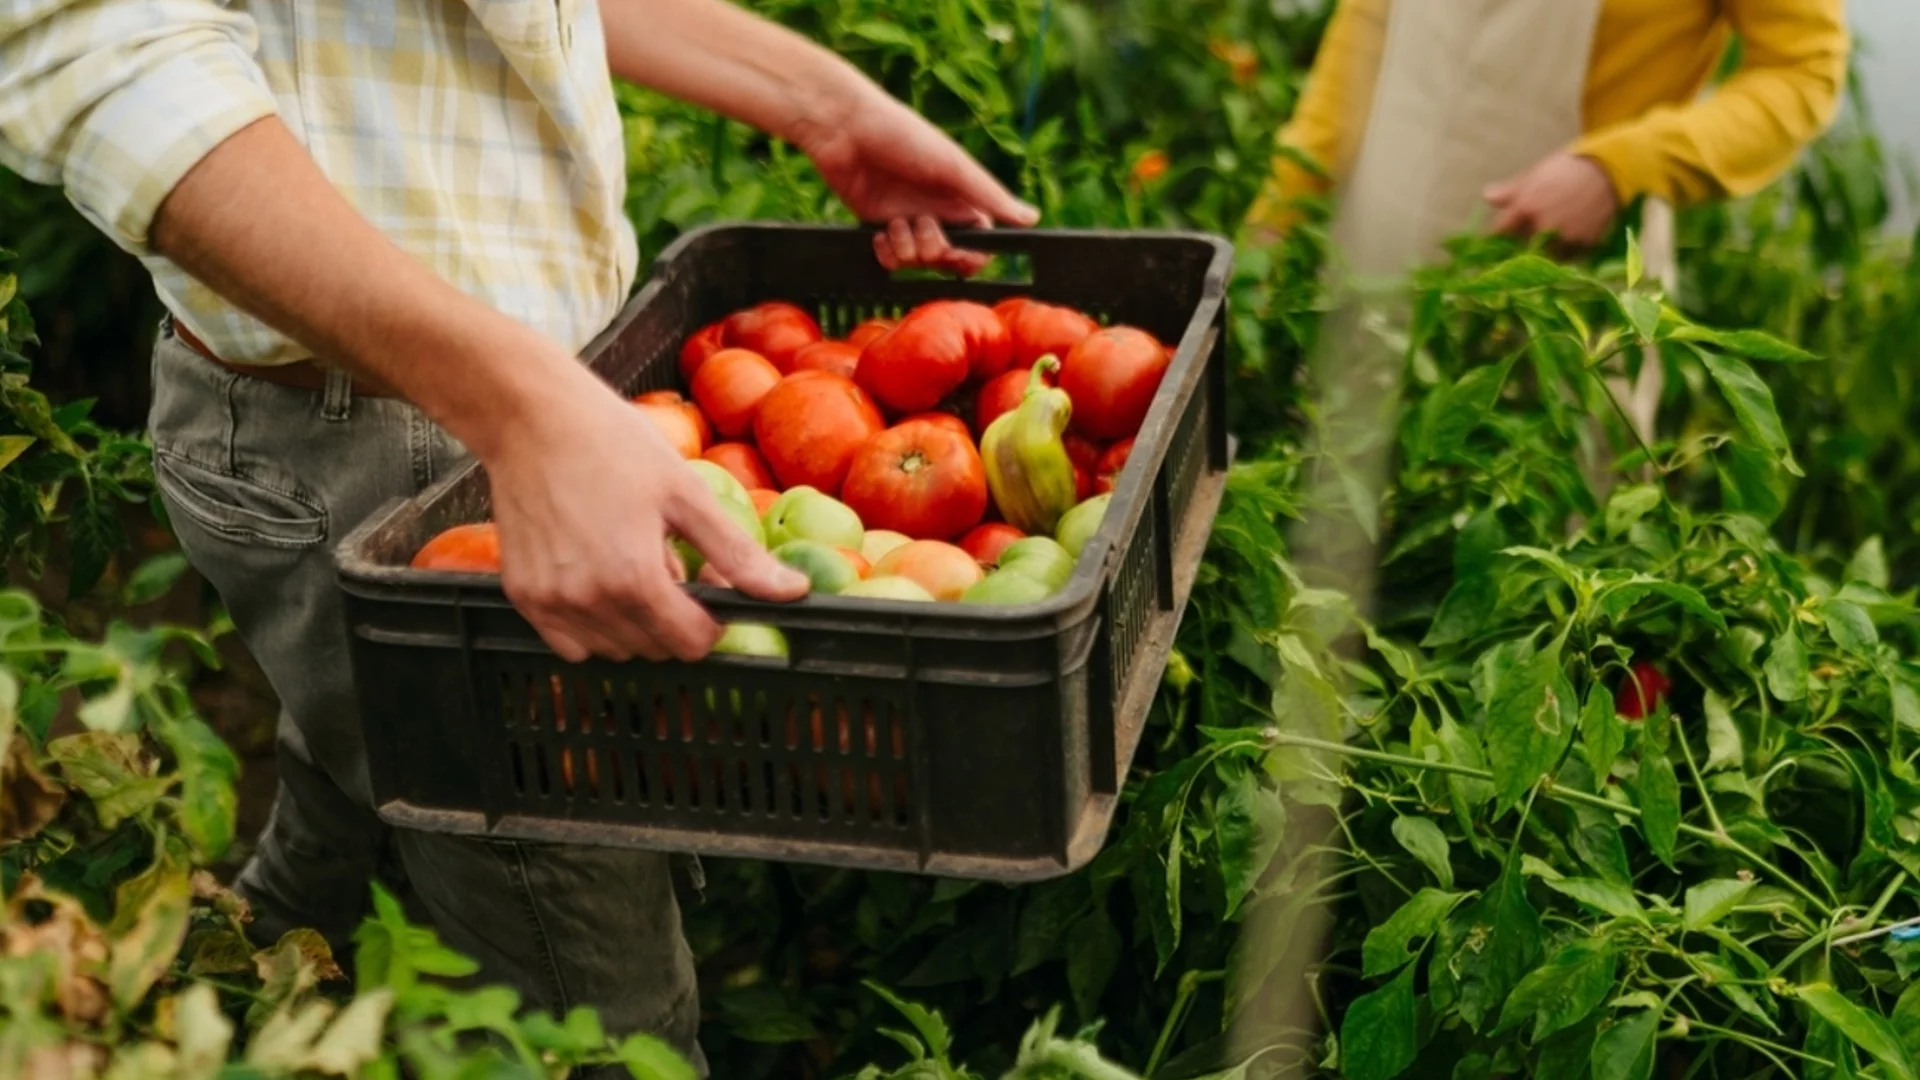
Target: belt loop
x=336 y=401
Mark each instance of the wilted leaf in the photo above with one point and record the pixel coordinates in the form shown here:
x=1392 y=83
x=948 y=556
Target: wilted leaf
x=354 y=1037
x=202 y=1033
x=151 y=924
x=110 y=769
x=28 y=799
x=217 y=952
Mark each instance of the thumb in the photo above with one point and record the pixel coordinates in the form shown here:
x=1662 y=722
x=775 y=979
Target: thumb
x=732 y=553
x=1500 y=194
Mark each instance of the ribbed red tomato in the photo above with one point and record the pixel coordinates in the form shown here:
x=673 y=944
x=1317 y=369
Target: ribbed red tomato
x=986 y=542
x=705 y=341
x=729 y=387
x=743 y=461
x=839 y=357
x=1002 y=394
x=1036 y=330
x=776 y=330
x=944 y=419
x=1112 y=377
x=920 y=478
x=1106 y=476
x=938 y=346
x=811 y=425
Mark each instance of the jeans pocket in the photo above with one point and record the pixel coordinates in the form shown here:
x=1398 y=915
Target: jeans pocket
x=238 y=507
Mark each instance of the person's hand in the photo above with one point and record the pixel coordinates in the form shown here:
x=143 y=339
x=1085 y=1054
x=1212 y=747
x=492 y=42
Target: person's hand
x=887 y=163
x=587 y=501
x=1567 y=195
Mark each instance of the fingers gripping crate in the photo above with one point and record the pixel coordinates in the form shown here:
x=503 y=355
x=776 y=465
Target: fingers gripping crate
x=966 y=741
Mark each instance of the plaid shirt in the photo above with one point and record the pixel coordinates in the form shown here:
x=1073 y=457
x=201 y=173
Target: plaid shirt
x=480 y=136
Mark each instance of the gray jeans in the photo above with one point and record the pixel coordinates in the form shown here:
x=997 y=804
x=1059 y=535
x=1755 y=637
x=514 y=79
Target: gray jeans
x=260 y=482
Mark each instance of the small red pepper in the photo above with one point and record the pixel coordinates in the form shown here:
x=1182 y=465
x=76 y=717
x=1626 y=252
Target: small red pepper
x=1642 y=692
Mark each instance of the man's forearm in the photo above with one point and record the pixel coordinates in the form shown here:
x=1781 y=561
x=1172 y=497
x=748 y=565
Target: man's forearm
x=716 y=55
x=256 y=221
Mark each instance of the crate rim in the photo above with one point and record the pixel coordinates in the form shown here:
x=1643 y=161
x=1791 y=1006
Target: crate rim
x=1070 y=605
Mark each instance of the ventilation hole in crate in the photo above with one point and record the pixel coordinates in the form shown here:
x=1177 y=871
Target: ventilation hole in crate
x=646 y=777
x=543 y=781
x=616 y=776
x=518 y=768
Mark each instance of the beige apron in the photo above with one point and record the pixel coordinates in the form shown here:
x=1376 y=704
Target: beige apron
x=1470 y=93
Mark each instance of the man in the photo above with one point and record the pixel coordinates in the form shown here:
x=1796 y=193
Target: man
x=1546 y=117
x=383 y=230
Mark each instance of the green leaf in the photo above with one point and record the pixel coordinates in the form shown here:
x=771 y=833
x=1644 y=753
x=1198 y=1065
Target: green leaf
x=1602 y=733
x=1503 y=941
x=1093 y=955
x=1049 y=909
x=1560 y=567
x=1906 y=704
x=648 y=1057
x=1377 y=1036
x=1868 y=1031
x=154 y=578
x=932 y=1029
x=156 y=903
x=207 y=769
x=1642 y=313
x=12 y=446
x=1606 y=897
x=1615 y=600
x=1850 y=626
x=1464 y=406
x=1465 y=610
x=1530 y=718
x=1750 y=481
x=109 y=769
x=1625 y=1050
x=1629 y=504
x=1635 y=267
x=1249 y=822
x=1752 y=406
x=1724 y=747
x=1519 y=274
x=1752 y=344
x=1424 y=840
x=1710 y=901
x=1786 y=667
x=1659 y=802
x=1869 y=564
x=1564 y=990
x=1396 y=942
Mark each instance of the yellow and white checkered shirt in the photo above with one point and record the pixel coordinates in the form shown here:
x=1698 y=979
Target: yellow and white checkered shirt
x=481 y=136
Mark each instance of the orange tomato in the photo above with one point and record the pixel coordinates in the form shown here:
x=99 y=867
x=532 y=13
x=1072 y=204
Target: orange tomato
x=861 y=336
x=839 y=357
x=729 y=387
x=463 y=549
x=940 y=568
x=858 y=560
x=811 y=425
x=681 y=429
x=762 y=498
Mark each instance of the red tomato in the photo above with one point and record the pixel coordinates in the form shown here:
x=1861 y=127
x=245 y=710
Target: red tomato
x=863 y=335
x=1641 y=693
x=1106 y=476
x=838 y=357
x=1082 y=484
x=914 y=366
x=705 y=341
x=1002 y=394
x=466 y=549
x=986 y=542
x=743 y=461
x=944 y=419
x=729 y=387
x=1112 y=377
x=1038 y=330
x=941 y=569
x=762 y=498
x=921 y=478
x=811 y=425
x=776 y=330
x=1010 y=307
x=1084 y=453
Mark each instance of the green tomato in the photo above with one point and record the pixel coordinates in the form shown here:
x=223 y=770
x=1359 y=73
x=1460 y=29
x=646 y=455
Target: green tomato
x=1006 y=587
x=829 y=571
x=751 y=639
x=722 y=483
x=1040 y=558
x=1078 y=525
x=804 y=513
x=888 y=588
x=742 y=515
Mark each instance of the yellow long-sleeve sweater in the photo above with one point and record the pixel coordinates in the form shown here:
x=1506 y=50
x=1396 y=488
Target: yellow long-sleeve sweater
x=1644 y=120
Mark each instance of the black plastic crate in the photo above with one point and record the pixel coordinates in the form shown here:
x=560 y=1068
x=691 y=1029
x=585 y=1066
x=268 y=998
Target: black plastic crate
x=964 y=741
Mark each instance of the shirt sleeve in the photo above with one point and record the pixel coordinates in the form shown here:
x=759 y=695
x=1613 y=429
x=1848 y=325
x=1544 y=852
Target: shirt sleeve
x=114 y=100
x=1746 y=131
x=1331 y=114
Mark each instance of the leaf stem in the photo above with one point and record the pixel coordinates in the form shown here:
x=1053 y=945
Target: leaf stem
x=1176 y=1017
x=1706 y=797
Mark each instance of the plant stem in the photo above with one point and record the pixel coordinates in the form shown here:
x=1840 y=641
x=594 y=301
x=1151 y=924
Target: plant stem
x=1706 y=797
x=1561 y=794
x=1182 y=1002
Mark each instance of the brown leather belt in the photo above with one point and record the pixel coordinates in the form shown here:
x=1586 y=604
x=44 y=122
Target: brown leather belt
x=300 y=375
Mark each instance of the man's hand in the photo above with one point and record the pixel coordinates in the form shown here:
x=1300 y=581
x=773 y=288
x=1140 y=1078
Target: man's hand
x=883 y=160
x=888 y=164
x=587 y=500
x=1567 y=195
